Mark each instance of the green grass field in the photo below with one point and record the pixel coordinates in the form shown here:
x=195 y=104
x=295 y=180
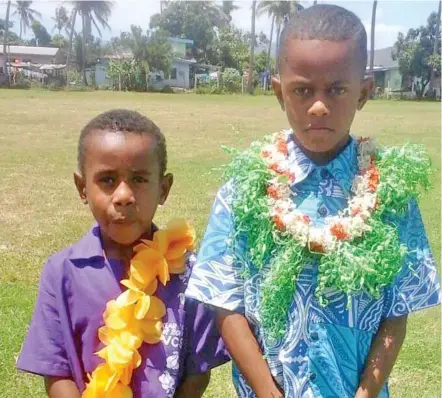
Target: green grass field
x=40 y=212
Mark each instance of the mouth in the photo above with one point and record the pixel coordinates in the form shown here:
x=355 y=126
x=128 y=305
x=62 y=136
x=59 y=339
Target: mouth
x=320 y=129
x=123 y=221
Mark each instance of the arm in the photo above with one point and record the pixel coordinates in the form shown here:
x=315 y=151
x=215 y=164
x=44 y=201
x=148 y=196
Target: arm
x=193 y=386
x=245 y=351
x=383 y=353
x=58 y=387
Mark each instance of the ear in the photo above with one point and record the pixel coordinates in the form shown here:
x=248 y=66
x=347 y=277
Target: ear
x=80 y=183
x=366 y=89
x=276 y=84
x=166 y=185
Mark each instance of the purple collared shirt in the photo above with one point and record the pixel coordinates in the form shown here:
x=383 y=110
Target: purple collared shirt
x=75 y=286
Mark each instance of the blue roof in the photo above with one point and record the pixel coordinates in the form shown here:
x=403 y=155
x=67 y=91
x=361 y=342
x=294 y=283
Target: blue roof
x=179 y=40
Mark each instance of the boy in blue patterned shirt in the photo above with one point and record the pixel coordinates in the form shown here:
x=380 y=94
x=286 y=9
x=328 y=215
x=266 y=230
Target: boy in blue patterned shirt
x=336 y=350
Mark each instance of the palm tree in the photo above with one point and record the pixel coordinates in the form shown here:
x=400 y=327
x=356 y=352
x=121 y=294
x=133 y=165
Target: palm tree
x=71 y=27
x=227 y=7
x=5 y=38
x=435 y=51
x=26 y=14
x=92 y=13
x=281 y=11
x=373 y=24
x=61 y=19
x=252 y=50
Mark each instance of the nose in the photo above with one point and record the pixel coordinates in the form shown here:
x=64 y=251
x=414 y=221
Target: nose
x=319 y=109
x=123 y=195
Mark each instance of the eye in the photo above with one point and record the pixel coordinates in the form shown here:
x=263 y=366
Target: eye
x=107 y=180
x=338 y=91
x=139 y=180
x=303 y=92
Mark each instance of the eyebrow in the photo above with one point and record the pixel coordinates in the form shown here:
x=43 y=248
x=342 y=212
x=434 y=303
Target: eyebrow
x=109 y=171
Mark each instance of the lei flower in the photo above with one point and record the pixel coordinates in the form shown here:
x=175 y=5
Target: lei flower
x=357 y=251
x=135 y=316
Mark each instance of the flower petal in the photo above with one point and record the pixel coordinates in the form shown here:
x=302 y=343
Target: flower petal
x=151 y=289
x=177 y=266
x=157 y=309
x=132 y=283
x=128 y=297
x=143 y=267
x=153 y=330
x=142 y=306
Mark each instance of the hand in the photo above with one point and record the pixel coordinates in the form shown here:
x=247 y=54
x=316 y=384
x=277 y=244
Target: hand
x=193 y=386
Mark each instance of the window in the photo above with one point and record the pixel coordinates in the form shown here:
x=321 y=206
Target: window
x=173 y=73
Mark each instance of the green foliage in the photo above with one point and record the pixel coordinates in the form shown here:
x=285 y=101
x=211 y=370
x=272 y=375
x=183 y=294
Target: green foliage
x=61 y=19
x=415 y=53
x=195 y=20
x=261 y=62
x=26 y=14
x=233 y=51
x=231 y=80
x=41 y=36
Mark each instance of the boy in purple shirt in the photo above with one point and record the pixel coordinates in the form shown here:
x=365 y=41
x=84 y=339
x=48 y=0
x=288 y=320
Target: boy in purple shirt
x=122 y=176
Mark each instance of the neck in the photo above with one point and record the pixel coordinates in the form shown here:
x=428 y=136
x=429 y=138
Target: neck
x=322 y=158
x=117 y=251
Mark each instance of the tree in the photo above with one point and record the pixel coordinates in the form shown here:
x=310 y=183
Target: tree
x=415 y=53
x=62 y=44
x=6 y=28
x=227 y=7
x=195 y=20
x=71 y=27
x=261 y=62
x=252 y=50
x=41 y=36
x=6 y=35
x=151 y=51
x=61 y=19
x=92 y=13
x=3 y=26
x=435 y=58
x=373 y=24
x=26 y=14
x=281 y=11
x=233 y=48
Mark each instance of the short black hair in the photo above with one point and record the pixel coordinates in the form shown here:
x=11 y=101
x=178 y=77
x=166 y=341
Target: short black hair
x=124 y=121
x=325 y=22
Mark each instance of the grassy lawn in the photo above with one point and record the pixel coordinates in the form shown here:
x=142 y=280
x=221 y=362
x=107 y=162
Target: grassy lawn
x=40 y=211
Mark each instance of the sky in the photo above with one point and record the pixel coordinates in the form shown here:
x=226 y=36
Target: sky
x=392 y=16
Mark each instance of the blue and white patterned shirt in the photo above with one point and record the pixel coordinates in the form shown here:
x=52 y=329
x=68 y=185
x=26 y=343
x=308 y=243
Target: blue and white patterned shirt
x=325 y=348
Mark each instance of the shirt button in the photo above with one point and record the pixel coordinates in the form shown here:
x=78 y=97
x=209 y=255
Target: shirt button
x=314 y=336
x=312 y=376
x=325 y=174
x=322 y=211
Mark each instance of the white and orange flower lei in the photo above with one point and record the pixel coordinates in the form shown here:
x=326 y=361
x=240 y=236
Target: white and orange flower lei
x=135 y=316
x=351 y=222
x=358 y=250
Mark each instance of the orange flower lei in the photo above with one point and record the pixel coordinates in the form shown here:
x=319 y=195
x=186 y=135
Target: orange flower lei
x=135 y=316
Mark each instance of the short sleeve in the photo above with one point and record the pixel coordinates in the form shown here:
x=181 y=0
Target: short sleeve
x=216 y=278
x=205 y=349
x=417 y=286
x=43 y=351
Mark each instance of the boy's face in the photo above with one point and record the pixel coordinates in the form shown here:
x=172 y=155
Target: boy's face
x=320 y=89
x=122 y=183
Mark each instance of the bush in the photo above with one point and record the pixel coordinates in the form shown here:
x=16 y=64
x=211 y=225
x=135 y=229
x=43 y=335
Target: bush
x=167 y=90
x=231 y=80
x=22 y=85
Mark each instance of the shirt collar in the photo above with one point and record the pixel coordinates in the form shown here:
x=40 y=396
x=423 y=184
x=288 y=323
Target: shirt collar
x=91 y=245
x=342 y=167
